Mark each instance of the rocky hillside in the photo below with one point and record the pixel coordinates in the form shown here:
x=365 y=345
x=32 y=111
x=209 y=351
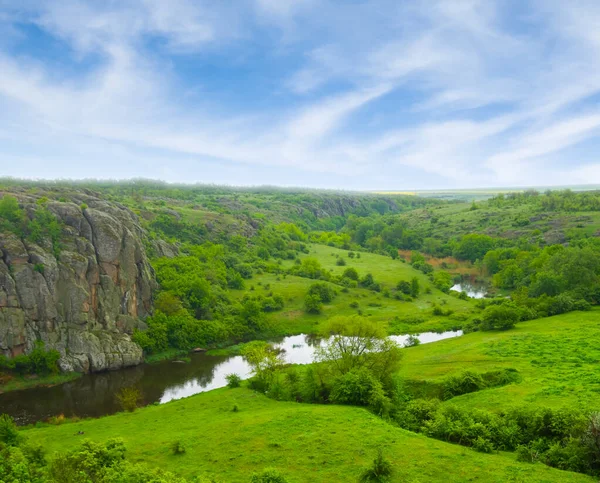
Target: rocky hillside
x=81 y=292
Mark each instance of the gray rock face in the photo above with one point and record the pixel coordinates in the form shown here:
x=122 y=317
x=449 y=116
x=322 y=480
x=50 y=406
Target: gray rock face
x=87 y=302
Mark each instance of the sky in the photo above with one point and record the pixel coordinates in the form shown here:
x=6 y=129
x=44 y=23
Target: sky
x=342 y=94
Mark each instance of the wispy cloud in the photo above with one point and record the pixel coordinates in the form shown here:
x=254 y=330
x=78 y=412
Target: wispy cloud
x=462 y=93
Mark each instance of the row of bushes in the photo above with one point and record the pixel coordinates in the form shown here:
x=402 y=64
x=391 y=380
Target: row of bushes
x=562 y=438
x=39 y=361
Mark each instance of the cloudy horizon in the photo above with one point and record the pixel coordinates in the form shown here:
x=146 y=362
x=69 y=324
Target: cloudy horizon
x=356 y=95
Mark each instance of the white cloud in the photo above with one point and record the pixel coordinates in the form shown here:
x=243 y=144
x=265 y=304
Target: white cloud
x=472 y=98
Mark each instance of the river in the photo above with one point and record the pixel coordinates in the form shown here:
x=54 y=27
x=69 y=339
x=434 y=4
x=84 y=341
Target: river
x=94 y=395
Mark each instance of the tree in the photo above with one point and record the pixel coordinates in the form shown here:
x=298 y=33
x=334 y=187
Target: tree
x=501 y=317
x=323 y=290
x=415 y=287
x=356 y=342
x=313 y=304
x=473 y=247
x=404 y=287
x=350 y=273
x=442 y=280
x=264 y=360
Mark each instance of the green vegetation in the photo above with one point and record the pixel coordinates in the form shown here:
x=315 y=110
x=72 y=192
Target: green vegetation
x=303 y=442
x=513 y=397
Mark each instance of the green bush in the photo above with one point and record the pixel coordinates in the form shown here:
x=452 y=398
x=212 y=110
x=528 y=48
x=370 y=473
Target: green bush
x=313 y=304
x=9 y=434
x=380 y=471
x=178 y=448
x=233 y=380
x=268 y=475
x=324 y=291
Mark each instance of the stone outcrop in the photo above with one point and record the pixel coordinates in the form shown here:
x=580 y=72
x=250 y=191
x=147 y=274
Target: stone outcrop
x=86 y=301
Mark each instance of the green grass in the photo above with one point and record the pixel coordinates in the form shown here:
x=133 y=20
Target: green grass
x=16 y=383
x=293 y=319
x=308 y=443
x=557 y=357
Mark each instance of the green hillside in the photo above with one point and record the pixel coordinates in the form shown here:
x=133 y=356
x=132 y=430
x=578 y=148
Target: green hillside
x=308 y=443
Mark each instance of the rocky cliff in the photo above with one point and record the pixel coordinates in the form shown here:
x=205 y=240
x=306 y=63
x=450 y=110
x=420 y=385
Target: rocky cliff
x=84 y=299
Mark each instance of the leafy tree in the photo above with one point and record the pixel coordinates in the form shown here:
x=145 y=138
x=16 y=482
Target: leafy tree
x=502 y=317
x=356 y=342
x=323 y=290
x=313 y=304
x=473 y=247
x=350 y=273
x=264 y=360
x=415 y=287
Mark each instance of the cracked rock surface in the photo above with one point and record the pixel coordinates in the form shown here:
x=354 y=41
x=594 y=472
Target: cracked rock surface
x=85 y=303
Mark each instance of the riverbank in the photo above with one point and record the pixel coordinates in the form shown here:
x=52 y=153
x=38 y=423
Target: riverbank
x=18 y=383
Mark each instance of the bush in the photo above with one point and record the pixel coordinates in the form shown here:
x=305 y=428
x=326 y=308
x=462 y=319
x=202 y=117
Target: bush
x=340 y=262
x=233 y=380
x=350 y=273
x=380 y=470
x=324 y=291
x=463 y=383
x=268 y=475
x=500 y=317
x=178 y=448
x=129 y=398
x=313 y=304
x=9 y=434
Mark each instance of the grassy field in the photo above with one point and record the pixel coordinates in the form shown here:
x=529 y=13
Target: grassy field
x=308 y=443
x=508 y=221
x=294 y=320
x=557 y=357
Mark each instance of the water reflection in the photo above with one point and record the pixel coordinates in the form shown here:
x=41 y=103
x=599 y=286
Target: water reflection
x=473 y=290
x=93 y=395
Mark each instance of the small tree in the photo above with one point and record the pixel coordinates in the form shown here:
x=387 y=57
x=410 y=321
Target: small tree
x=380 y=470
x=129 y=398
x=233 y=381
x=357 y=342
x=501 y=317
x=313 y=304
x=9 y=434
x=415 y=287
x=264 y=360
x=268 y=475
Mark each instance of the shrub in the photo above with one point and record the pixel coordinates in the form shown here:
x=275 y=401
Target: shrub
x=483 y=445
x=129 y=398
x=463 y=383
x=350 y=273
x=380 y=470
x=501 y=317
x=313 y=304
x=324 y=291
x=178 y=448
x=412 y=341
x=340 y=262
x=268 y=475
x=233 y=380
x=9 y=434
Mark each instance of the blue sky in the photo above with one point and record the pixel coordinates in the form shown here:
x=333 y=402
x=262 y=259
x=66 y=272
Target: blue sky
x=352 y=94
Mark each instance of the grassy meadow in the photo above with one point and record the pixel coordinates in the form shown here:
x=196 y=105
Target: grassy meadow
x=308 y=443
x=557 y=358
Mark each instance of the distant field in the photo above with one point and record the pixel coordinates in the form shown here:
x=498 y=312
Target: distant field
x=386 y=271
x=308 y=443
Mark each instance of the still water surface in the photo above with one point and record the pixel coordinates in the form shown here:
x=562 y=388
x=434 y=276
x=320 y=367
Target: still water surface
x=473 y=289
x=93 y=395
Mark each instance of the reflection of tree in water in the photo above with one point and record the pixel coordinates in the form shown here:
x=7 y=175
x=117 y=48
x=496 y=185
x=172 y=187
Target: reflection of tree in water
x=313 y=340
x=174 y=376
